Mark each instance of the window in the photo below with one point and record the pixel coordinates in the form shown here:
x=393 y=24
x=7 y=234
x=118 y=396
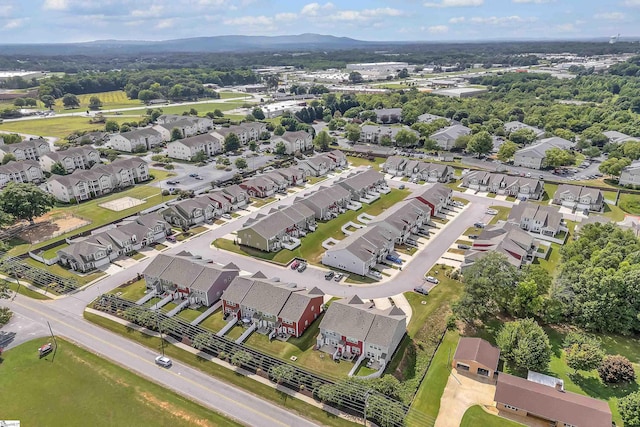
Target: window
x=513 y=408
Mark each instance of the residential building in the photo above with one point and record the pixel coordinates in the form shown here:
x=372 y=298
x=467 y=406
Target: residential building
x=579 y=197
x=428 y=118
x=619 y=137
x=551 y=403
x=99 y=249
x=278 y=228
x=326 y=202
x=352 y=328
x=360 y=251
x=518 y=246
x=372 y=134
x=259 y=186
x=281 y=183
x=423 y=171
x=446 y=137
x=245 y=132
x=189 y=212
x=142 y=139
x=21 y=172
x=520 y=187
x=631 y=174
x=199 y=282
x=30 y=149
x=276 y=309
x=540 y=219
x=437 y=197
x=363 y=184
x=188 y=148
x=293 y=176
x=236 y=195
x=476 y=356
x=294 y=142
x=100 y=179
x=338 y=157
x=404 y=219
x=203 y=124
x=318 y=165
x=388 y=115
x=83 y=157
x=533 y=156
x=186 y=127
x=513 y=126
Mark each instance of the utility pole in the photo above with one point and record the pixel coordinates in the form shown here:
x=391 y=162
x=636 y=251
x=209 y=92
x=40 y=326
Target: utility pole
x=15 y=272
x=160 y=330
x=55 y=342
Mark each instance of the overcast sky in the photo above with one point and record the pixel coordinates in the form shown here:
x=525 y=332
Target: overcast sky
x=47 y=21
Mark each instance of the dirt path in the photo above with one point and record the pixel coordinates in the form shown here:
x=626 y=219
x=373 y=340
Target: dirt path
x=460 y=394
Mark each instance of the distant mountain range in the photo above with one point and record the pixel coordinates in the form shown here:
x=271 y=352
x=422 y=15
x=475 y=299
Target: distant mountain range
x=301 y=42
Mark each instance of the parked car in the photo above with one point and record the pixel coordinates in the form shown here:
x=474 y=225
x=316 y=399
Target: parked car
x=421 y=290
x=172 y=182
x=171 y=239
x=473 y=236
x=193 y=175
x=302 y=267
x=432 y=279
x=295 y=264
x=401 y=187
x=375 y=274
x=338 y=277
x=394 y=259
x=328 y=275
x=480 y=225
x=226 y=216
x=163 y=361
x=491 y=212
x=464 y=247
x=199 y=178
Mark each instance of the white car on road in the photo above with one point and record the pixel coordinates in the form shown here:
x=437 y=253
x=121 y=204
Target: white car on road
x=164 y=361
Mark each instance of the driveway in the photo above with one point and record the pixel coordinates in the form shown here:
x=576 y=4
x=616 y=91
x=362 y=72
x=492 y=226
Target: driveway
x=461 y=393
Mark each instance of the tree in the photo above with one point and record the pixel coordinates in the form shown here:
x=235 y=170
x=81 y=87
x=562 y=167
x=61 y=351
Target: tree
x=253 y=146
x=193 y=112
x=25 y=201
x=258 y=113
x=524 y=344
x=19 y=102
x=322 y=141
x=489 y=285
x=11 y=138
x=629 y=407
x=462 y=142
x=69 y=100
x=48 y=101
x=481 y=143
x=202 y=340
x=176 y=134
x=613 y=166
x=231 y=142
x=616 y=369
x=280 y=149
x=556 y=157
x=95 y=103
x=241 y=163
x=9 y=157
x=218 y=113
x=31 y=102
x=111 y=126
x=199 y=157
x=507 y=150
x=527 y=300
x=282 y=373
x=279 y=130
x=352 y=133
x=58 y=169
x=406 y=138
x=385 y=141
x=403 y=74
x=582 y=352
x=591 y=152
x=523 y=136
x=355 y=77
x=241 y=358
x=5 y=316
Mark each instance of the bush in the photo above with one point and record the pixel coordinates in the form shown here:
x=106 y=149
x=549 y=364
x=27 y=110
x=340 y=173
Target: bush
x=616 y=369
x=629 y=407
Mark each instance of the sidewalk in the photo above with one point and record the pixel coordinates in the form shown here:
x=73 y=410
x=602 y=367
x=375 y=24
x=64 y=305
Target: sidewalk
x=31 y=287
x=255 y=377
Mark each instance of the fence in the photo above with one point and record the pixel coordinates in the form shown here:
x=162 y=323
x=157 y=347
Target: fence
x=42 y=278
x=350 y=397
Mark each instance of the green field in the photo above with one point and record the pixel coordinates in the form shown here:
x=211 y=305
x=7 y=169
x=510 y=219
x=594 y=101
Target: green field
x=359 y=161
x=630 y=203
x=476 y=416
x=58 y=126
x=23 y=290
x=110 y=101
x=132 y=292
x=503 y=214
x=80 y=389
x=202 y=108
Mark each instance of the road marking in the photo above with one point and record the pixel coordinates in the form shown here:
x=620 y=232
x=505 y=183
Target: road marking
x=214 y=392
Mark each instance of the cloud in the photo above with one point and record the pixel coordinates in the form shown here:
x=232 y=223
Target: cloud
x=285 y=16
x=314 y=9
x=532 y=1
x=12 y=24
x=455 y=3
x=152 y=12
x=632 y=3
x=5 y=10
x=569 y=27
x=249 y=20
x=165 y=23
x=55 y=4
x=610 y=16
x=365 y=14
x=438 y=29
x=502 y=20
x=456 y=20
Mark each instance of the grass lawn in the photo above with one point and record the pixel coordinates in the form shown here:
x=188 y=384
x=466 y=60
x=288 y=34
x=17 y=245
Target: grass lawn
x=549 y=191
x=160 y=174
x=630 y=203
x=315 y=179
x=138 y=256
x=132 y=292
x=190 y=315
x=430 y=392
x=152 y=301
x=159 y=247
x=214 y=322
x=63 y=272
x=168 y=307
x=553 y=259
x=59 y=126
x=110 y=101
x=96 y=392
x=376 y=163
x=476 y=416
x=311 y=248
x=614 y=212
x=23 y=290
x=503 y=214
x=454 y=185
x=258 y=203
x=227 y=95
x=53 y=252
x=235 y=332
x=224 y=374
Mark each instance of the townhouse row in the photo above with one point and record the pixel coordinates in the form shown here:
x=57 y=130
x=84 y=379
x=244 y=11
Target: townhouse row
x=414 y=169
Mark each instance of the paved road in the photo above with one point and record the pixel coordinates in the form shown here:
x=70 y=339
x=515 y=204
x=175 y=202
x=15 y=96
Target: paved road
x=208 y=391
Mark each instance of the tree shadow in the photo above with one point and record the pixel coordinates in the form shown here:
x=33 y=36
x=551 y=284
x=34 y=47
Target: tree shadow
x=593 y=387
